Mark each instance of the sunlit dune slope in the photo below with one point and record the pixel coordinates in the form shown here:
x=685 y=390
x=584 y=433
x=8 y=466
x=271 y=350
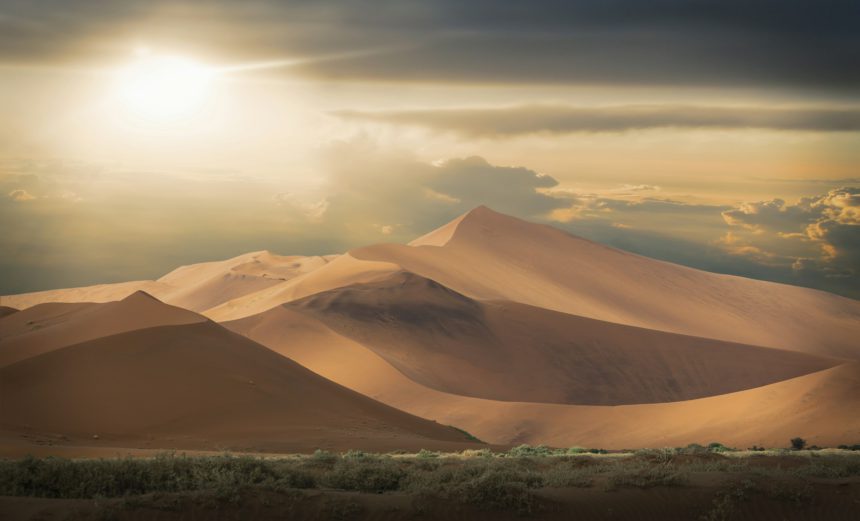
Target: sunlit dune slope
x=509 y=351
x=820 y=406
x=493 y=256
x=196 y=287
x=341 y=271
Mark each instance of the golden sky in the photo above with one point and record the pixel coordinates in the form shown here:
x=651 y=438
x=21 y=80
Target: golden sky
x=137 y=136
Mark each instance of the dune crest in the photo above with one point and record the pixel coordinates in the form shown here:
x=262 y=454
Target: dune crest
x=491 y=256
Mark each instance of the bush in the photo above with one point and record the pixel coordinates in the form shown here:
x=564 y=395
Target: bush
x=477 y=453
x=501 y=489
x=529 y=451
x=718 y=447
x=365 y=475
x=798 y=443
x=646 y=478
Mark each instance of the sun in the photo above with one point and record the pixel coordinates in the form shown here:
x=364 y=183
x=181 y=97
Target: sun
x=163 y=87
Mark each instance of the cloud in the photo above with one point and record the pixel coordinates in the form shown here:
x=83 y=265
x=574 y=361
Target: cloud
x=563 y=119
x=366 y=186
x=774 y=43
x=20 y=195
x=831 y=222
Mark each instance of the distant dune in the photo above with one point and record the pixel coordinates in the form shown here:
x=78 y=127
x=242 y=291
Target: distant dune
x=188 y=383
x=197 y=287
x=516 y=332
x=5 y=311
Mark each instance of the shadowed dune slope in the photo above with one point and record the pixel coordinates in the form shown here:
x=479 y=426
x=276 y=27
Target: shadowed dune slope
x=490 y=256
x=820 y=406
x=6 y=311
x=199 y=386
x=196 y=287
x=515 y=352
x=45 y=327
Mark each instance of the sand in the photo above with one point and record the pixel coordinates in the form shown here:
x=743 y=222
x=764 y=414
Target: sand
x=820 y=406
x=509 y=351
x=193 y=385
x=45 y=327
x=494 y=256
x=516 y=332
x=197 y=287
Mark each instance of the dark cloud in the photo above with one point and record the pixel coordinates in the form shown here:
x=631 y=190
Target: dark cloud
x=782 y=44
x=559 y=119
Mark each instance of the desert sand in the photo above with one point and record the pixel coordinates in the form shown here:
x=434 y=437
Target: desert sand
x=197 y=287
x=820 y=406
x=181 y=381
x=515 y=352
x=513 y=331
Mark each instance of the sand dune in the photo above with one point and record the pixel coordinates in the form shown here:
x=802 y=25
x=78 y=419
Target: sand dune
x=96 y=293
x=341 y=271
x=206 y=285
x=45 y=327
x=6 y=311
x=196 y=287
x=197 y=385
x=509 y=351
x=486 y=255
x=820 y=406
x=514 y=331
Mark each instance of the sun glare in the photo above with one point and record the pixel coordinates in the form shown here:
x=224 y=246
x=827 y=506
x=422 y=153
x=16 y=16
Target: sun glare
x=163 y=88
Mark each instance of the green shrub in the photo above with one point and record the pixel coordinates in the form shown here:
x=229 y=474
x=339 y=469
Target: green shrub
x=529 y=451
x=424 y=453
x=798 y=443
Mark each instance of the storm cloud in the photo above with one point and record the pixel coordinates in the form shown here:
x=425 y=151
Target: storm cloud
x=781 y=44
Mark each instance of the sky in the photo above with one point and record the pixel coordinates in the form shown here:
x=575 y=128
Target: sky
x=138 y=136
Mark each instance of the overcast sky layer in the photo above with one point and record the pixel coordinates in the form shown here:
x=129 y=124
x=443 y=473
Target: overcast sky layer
x=718 y=134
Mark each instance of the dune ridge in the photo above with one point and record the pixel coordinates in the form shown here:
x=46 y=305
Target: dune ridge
x=196 y=286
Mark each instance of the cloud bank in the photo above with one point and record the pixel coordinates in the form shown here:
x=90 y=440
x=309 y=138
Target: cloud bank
x=562 y=119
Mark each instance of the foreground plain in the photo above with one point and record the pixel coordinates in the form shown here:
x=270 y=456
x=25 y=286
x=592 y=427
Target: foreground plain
x=526 y=482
